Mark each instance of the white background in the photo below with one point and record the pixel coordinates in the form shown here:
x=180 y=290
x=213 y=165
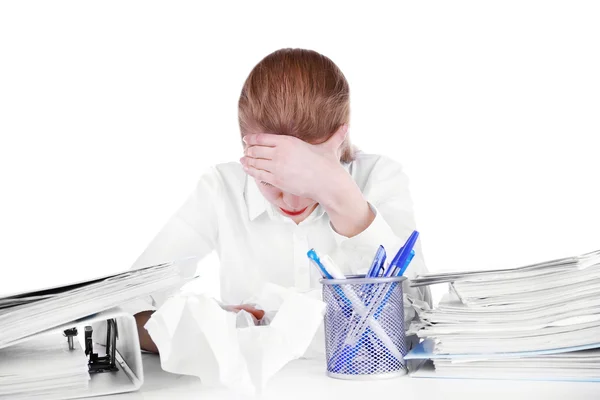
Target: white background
x=110 y=111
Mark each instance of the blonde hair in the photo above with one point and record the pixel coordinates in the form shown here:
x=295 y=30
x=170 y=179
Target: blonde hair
x=299 y=93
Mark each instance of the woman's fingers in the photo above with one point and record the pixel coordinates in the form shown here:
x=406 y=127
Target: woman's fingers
x=263 y=152
x=263 y=139
x=261 y=175
x=258 y=314
x=257 y=163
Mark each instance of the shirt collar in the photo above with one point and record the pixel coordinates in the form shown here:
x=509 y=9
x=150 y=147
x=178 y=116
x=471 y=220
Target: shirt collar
x=257 y=204
x=255 y=201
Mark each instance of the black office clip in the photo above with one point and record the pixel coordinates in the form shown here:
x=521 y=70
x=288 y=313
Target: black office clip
x=70 y=333
x=107 y=363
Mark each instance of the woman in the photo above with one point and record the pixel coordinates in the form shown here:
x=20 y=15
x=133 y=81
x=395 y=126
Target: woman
x=299 y=185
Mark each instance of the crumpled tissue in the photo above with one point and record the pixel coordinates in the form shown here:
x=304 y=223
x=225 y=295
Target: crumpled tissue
x=196 y=336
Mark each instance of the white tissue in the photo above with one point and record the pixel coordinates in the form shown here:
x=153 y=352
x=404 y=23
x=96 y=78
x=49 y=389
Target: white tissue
x=270 y=299
x=195 y=336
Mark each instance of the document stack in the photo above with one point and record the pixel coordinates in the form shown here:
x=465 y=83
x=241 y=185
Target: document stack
x=25 y=314
x=40 y=351
x=42 y=366
x=540 y=321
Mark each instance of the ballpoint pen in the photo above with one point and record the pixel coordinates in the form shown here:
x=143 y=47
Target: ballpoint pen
x=323 y=265
x=401 y=261
x=406 y=264
x=378 y=262
x=312 y=254
x=332 y=268
x=391 y=270
x=377 y=266
x=393 y=286
x=404 y=253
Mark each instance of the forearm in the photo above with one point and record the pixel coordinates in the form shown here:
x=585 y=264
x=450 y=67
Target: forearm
x=146 y=342
x=346 y=206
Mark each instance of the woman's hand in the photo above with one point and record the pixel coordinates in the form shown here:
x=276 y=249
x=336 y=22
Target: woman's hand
x=146 y=342
x=294 y=166
x=311 y=171
x=258 y=314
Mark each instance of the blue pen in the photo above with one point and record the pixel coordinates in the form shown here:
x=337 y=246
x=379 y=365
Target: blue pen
x=412 y=254
x=312 y=254
x=392 y=288
x=377 y=263
x=404 y=253
x=343 y=301
x=399 y=271
x=387 y=295
x=403 y=258
x=392 y=267
x=376 y=267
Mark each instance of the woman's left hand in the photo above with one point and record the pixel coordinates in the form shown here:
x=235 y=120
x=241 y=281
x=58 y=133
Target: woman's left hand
x=293 y=165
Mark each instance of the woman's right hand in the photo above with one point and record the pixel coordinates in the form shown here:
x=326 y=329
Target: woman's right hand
x=258 y=314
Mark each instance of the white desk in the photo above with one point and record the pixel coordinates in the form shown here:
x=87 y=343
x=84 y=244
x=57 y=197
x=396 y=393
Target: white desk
x=306 y=380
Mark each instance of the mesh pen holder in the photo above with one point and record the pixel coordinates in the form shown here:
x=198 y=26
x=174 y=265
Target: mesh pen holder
x=364 y=327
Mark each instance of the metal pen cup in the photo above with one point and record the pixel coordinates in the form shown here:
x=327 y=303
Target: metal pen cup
x=364 y=327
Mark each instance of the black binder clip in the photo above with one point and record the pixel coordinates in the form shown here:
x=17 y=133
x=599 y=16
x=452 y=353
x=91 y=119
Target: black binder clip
x=106 y=363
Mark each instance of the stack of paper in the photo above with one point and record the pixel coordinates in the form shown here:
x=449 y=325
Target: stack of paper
x=514 y=323
x=26 y=314
x=41 y=365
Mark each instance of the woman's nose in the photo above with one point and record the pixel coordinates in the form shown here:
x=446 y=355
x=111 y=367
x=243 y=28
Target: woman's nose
x=292 y=201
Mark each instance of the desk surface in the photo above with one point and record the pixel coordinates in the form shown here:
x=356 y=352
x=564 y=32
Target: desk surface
x=306 y=379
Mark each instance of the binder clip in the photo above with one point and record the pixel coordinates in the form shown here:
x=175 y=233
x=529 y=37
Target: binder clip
x=106 y=363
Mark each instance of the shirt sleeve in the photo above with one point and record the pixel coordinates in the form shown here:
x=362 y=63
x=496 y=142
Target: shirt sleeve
x=387 y=192
x=192 y=231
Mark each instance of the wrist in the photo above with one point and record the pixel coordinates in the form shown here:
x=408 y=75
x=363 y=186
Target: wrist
x=336 y=189
x=348 y=210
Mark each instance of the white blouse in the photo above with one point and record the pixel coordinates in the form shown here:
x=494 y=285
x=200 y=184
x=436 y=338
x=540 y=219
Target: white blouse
x=256 y=244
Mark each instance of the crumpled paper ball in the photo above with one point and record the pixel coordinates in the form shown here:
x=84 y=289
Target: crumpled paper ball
x=196 y=336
